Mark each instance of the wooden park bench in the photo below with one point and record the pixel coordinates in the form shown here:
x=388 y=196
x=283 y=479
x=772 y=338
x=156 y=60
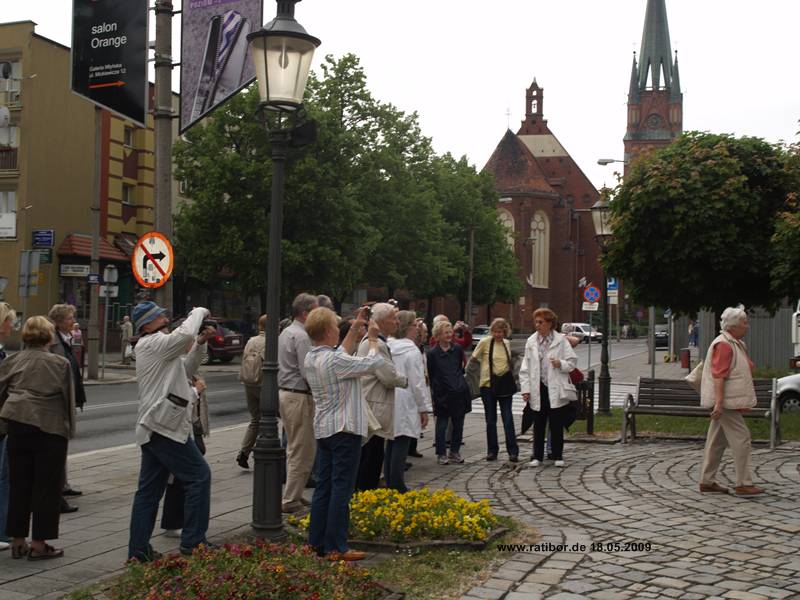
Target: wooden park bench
x=675 y=397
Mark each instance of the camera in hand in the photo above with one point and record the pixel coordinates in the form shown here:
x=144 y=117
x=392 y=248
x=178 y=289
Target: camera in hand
x=205 y=324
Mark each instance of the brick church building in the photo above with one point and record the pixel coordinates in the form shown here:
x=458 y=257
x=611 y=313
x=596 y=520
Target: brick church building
x=544 y=193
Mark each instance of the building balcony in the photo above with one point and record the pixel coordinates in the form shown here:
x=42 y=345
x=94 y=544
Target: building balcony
x=8 y=159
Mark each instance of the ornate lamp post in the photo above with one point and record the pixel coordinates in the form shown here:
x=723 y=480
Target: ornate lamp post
x=282 y=53
x=601 y=218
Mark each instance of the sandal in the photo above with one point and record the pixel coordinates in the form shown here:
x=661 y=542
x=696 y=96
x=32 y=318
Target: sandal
x=49 y=552
x=19 y=551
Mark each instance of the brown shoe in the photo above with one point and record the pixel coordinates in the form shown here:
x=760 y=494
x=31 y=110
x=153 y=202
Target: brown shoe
x=349 y=556
x=712 y=488
x=748 y=490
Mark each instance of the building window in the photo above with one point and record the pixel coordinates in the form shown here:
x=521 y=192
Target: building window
x=128 y=138
x=10 y=78
x=540 y=251
x=127 y=194
x=507 y=220
x=8 y=214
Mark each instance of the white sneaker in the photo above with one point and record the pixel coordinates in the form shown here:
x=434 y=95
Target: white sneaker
x=442 y=459
x=172 y=533
x=533 y=463
x=559 y=463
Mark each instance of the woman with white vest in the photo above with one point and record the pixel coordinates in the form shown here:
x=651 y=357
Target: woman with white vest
x=544 y=381
x=727 y=389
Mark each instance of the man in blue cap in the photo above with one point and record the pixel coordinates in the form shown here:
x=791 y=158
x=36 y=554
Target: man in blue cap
x=165 y=361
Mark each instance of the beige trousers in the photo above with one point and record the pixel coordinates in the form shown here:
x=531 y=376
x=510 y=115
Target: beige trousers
x=731 y=431
x=297 y=414
x=253 y=393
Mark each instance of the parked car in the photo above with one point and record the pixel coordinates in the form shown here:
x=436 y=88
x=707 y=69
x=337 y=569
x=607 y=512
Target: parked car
x=661 y=335
x=789 y=393
x=478 y=333
x=583 y=331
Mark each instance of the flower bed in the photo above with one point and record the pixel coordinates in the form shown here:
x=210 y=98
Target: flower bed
x=386 y=515
x=247 y=572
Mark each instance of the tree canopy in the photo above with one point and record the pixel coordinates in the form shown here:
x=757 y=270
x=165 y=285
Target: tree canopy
x=369 y=202
x=697 y=223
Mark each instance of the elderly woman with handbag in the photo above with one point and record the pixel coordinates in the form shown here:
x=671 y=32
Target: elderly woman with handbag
x=497 y=386
x=726 y=387
x=7 y=318
x=37 y=402
x=545 y=383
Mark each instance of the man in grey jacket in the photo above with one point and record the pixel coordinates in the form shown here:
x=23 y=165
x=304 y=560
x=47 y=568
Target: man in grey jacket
x=164 y=364
x=378 y=389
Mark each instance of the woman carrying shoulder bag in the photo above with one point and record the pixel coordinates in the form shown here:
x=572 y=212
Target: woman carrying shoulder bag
x=497 y=386
x=544 y=379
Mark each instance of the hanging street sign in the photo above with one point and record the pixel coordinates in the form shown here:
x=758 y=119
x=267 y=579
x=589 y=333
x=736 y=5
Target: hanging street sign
x=152 y=260
x=109 y=55
x=591 y=293
x=590 y=306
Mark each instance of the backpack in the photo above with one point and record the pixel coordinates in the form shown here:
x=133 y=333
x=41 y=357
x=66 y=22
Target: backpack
x=252 y=361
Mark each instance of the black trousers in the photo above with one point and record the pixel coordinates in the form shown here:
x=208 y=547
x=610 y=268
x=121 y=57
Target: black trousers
x=555 y=416
x=371 y=463
x=36 y=477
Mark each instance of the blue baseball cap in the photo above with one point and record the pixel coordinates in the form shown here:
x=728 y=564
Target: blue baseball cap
x=144 y=312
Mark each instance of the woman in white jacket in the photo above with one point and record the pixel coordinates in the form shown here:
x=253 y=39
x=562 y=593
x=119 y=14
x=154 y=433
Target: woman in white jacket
x=545 y=384
x=410 y=403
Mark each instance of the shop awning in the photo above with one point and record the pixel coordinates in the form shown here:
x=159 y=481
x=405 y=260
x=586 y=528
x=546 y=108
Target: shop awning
x=78 y=244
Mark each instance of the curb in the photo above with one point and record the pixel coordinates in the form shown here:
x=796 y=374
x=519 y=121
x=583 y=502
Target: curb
x=90 y=382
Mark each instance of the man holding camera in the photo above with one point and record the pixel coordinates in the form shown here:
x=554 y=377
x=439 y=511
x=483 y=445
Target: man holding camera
x=164 y=364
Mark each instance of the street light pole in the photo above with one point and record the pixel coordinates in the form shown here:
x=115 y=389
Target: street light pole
x=604 y=381
x=282 y=53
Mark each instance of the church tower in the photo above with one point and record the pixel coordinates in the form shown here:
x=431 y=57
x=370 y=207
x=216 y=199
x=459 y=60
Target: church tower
x=655 y=101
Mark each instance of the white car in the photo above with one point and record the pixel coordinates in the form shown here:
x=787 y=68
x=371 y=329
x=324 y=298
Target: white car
x=789 y=393
x=582 y=331
x=478 y=333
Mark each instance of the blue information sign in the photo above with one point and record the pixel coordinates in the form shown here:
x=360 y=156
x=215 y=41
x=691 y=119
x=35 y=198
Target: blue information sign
x=613 y=284
x=44 y=238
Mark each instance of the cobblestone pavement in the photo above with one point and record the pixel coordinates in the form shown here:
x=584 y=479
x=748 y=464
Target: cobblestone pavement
x=681 y=544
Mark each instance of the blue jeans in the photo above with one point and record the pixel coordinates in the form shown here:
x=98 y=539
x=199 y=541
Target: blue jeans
x=4 y=489
x=394 y=462
x=455 y=439
x=490 y=403
x=160 y=457
x=337 y=468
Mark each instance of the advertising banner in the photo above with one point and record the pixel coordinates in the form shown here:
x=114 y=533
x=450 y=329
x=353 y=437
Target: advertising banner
x=215 y=56
x=109 y=55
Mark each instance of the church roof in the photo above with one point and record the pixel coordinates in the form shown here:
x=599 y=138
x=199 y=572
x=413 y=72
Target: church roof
x=514 y=167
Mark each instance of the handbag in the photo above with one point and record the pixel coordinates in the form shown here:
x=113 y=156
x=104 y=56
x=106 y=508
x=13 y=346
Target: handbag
x=695 y=378
x=505 y=384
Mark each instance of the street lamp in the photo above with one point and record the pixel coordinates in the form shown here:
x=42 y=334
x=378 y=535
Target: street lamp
x=282 y=53
x=608 y=161
x=603 y=229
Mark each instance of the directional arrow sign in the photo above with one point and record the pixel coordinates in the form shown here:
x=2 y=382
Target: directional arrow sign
x=152 y=260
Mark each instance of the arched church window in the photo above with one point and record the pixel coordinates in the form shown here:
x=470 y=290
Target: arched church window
x=540 y=250
x=507 y=219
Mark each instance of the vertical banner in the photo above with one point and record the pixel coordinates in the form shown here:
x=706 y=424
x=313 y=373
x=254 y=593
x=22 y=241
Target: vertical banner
x=215 y=56
x=109 y=55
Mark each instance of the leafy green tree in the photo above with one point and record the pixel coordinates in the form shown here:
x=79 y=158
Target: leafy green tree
x=694 y=223
x=786 y=240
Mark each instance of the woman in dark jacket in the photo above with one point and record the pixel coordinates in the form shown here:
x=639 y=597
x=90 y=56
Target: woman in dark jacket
x=449 y=391
x=37 y=402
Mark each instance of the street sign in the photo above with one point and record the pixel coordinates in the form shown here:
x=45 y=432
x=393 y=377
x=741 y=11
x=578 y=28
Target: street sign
x=45 y=256
x=109 y=55
x=44 y=238
x=591 y=293
x=74 y=270
x=613 y=297
x=93 y=278
x=582 y=282
x=152 y=260
x=590 y=306
x=613 y=284
x=113 y=291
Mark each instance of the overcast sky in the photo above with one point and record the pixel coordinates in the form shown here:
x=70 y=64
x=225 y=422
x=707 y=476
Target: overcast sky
x=462 y=64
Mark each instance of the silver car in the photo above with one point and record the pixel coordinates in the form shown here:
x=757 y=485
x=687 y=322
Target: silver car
x=789 y=393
